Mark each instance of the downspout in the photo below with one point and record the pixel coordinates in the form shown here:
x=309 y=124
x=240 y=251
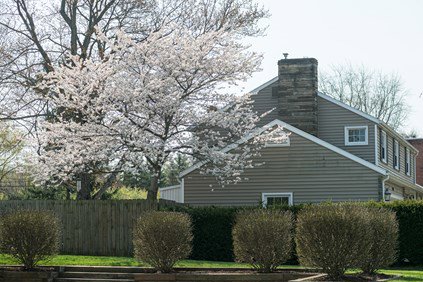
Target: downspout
x=383 y=186
x=181 y=181
x=183 y=190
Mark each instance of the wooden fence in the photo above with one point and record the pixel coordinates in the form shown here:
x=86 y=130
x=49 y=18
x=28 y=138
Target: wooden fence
x=93 y=227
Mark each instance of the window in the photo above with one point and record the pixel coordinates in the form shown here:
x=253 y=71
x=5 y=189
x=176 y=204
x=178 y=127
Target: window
x=284 y=143
x=356 y=135
x=277 y=199
x=407 y=161
x=396 y=155
x=383 y=154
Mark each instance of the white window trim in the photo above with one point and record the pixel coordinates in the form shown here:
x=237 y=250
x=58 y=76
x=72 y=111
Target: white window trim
x=346 y=131
x=407 y=161
x=287 y=143
x=376 y=145
x=384 y=144
x=396 y=154
x=290 y=196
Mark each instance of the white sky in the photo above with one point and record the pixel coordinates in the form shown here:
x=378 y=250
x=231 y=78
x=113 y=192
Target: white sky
x=386 y=35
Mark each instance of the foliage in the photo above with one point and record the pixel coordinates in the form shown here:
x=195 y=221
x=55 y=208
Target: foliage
x=170 y=175
x=263 y=238
x=333 y=237
x=139 y=179
x=30 y=236
x=41 y=193
x=11 y=144
x=162 y=238
x=383 y=228
x=410 y=220
x=167 y=83
x=126 y=193
x=173 y=168
x=212 y=227
x=212 y=230
x=378 y=94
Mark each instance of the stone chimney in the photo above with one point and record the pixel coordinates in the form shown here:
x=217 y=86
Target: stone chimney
x=297 y=93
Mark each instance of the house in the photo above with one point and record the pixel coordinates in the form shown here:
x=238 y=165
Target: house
x=418 y=144
x=334 y=152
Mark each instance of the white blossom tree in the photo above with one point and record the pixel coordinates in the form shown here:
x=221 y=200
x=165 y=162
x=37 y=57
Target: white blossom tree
x=36 y=36
x=144 y=102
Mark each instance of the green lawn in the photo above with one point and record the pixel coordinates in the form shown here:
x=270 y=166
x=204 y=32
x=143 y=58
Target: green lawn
x=414 y=274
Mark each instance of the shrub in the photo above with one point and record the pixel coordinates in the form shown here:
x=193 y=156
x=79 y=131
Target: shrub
x=384 y=240
x=29 y=236
x=162 y=238
x=263 y=238
x=333 y=237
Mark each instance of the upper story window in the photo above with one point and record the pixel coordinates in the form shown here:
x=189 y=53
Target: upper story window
x=407 y=161
x=396 y=155
x=383 y=147
x=356 y=135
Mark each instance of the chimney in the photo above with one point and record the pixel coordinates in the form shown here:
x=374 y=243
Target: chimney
x=297 y=93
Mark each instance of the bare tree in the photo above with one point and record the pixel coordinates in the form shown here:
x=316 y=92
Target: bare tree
x=411 y=134
x=11 y=145
x=378 y=94
x=37 y=37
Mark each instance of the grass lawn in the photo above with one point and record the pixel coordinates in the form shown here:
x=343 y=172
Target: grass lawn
x=414 y=274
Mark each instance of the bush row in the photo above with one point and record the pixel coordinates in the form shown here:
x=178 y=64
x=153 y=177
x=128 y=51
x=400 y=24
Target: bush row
x=332 y=237
x=213 y=241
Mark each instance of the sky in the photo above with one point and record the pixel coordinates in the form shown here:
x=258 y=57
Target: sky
x=385 y=35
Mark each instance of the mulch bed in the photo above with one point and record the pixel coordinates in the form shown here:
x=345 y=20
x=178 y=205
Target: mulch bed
x=21 y=269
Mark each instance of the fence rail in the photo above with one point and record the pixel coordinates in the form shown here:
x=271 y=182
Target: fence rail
x=93 y=227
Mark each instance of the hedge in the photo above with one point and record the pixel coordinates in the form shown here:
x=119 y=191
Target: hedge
x=410 y=218
x=212 y=231
x=212 y=228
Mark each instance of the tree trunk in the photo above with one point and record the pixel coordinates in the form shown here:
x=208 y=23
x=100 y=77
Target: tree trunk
x=68 y=193
x=154 y=187
x=87 y=186
x=109 y=182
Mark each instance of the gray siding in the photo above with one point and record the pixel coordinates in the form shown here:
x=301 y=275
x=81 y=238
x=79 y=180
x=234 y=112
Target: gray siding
x=311 y=172
x=264 y=101
x=390 y=160
x=332 y=120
